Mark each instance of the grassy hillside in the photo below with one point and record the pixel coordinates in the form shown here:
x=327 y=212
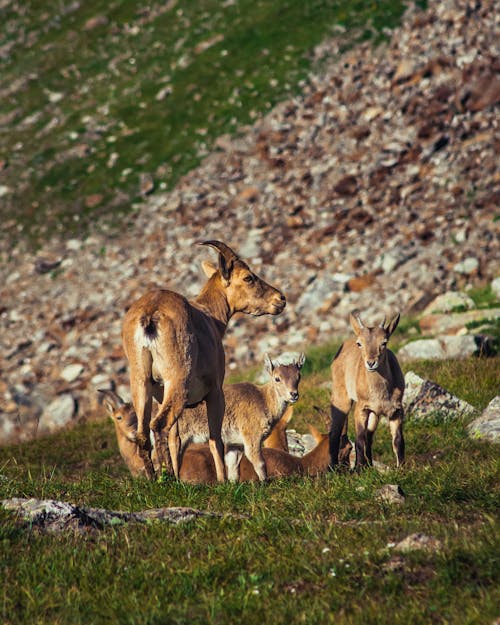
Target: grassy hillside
x=95 y=95
x=289 y=551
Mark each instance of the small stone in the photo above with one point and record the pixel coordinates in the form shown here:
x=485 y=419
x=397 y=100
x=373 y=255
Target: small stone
x=468 y=266
x=91 y=201
x=418 y=541
x=146 y=184
x=95 y=22
x=391 y=493
x=72 y=372
x=58 y=414
x=495 y=287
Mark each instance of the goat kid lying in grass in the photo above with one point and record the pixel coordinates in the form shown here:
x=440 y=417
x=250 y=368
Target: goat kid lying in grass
x=365 y=372
x=175 y=353
x=197 y=465
x=251 y=411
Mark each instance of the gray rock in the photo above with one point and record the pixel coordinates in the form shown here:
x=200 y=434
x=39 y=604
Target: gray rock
x=488 y=424
x=58 y=414
x=420 y=542
x=390 y=493
x=453 y=323
x=57 y=516
x=72 y=372
x=467 y=266
x=495 y=287
x=451 y=347
x=448 y=301
x=424 y=399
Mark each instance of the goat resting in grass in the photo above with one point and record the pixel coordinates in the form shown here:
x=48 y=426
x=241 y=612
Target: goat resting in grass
x=197 y=464
x=364 y=371
x=175 y=353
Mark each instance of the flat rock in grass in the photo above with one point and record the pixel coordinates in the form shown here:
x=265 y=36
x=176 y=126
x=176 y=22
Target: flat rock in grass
x=56 y=516
x=488 y=424
x=495 y=287
x=391 y=493
x=418 y=542
x=445 y=347
x=424 y=399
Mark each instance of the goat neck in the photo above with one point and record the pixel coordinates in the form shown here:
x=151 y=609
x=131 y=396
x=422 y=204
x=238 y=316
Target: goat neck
x=212 y=300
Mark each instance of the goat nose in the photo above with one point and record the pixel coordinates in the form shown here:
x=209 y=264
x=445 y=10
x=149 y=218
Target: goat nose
x=294 y=395
x=371 y=363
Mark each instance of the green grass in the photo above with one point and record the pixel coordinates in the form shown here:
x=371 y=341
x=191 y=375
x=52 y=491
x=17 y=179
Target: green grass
x=80 y=113
x=303 y=551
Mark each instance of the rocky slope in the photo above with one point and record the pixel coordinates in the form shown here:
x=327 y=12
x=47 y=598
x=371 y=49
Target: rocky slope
x=376 y=188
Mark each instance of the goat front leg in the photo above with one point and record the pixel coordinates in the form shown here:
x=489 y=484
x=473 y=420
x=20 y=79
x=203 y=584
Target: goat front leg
x=398 y=443
x=361 y=417
x=215 y=413
x=339 y=408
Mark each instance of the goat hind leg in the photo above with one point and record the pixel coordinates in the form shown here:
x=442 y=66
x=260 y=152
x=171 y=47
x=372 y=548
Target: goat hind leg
x=215 y=413
x=398 y=442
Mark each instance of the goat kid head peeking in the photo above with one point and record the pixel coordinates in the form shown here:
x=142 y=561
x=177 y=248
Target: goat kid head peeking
x=285 y=378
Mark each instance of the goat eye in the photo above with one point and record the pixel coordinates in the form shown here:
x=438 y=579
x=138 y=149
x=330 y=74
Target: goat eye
x=277 y=379
x=358 y=343
x=119 y=417
x=248 y=279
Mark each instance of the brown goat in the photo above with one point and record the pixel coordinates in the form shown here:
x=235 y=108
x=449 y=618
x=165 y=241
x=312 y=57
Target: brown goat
x=251 y=412
x=364 y=371
x=174 y=348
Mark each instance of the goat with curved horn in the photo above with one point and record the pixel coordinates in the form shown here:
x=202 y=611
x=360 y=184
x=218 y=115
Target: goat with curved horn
x=174 y=348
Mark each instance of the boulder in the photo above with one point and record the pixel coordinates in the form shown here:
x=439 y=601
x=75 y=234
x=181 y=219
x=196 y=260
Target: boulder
x=453 y=323
x=424 y=399
x=445 y=347
x=488 y=424
x=449 y=301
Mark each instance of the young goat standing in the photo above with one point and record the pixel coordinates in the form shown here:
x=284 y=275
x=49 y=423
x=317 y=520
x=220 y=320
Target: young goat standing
x=364 y=371
x=250 y=415
x=174 y=348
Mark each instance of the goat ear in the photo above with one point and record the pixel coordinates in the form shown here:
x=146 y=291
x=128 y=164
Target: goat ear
x=225 y=267
x=392 y=325
x=356 y=323
x=316 y=434
x=301 y=360
x=208 y=268
x=110 y=400
x=268 y=364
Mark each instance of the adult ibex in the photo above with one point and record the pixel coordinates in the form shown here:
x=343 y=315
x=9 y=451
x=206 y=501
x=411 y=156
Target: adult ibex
x=174 y=348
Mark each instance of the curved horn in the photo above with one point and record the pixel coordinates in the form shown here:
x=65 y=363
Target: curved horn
x=222 y=248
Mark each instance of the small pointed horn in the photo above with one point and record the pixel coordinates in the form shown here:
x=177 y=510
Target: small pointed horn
x=382 y=325
x=355 y=314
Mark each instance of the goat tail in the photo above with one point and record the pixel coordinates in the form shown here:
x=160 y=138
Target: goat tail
x=149 y=324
